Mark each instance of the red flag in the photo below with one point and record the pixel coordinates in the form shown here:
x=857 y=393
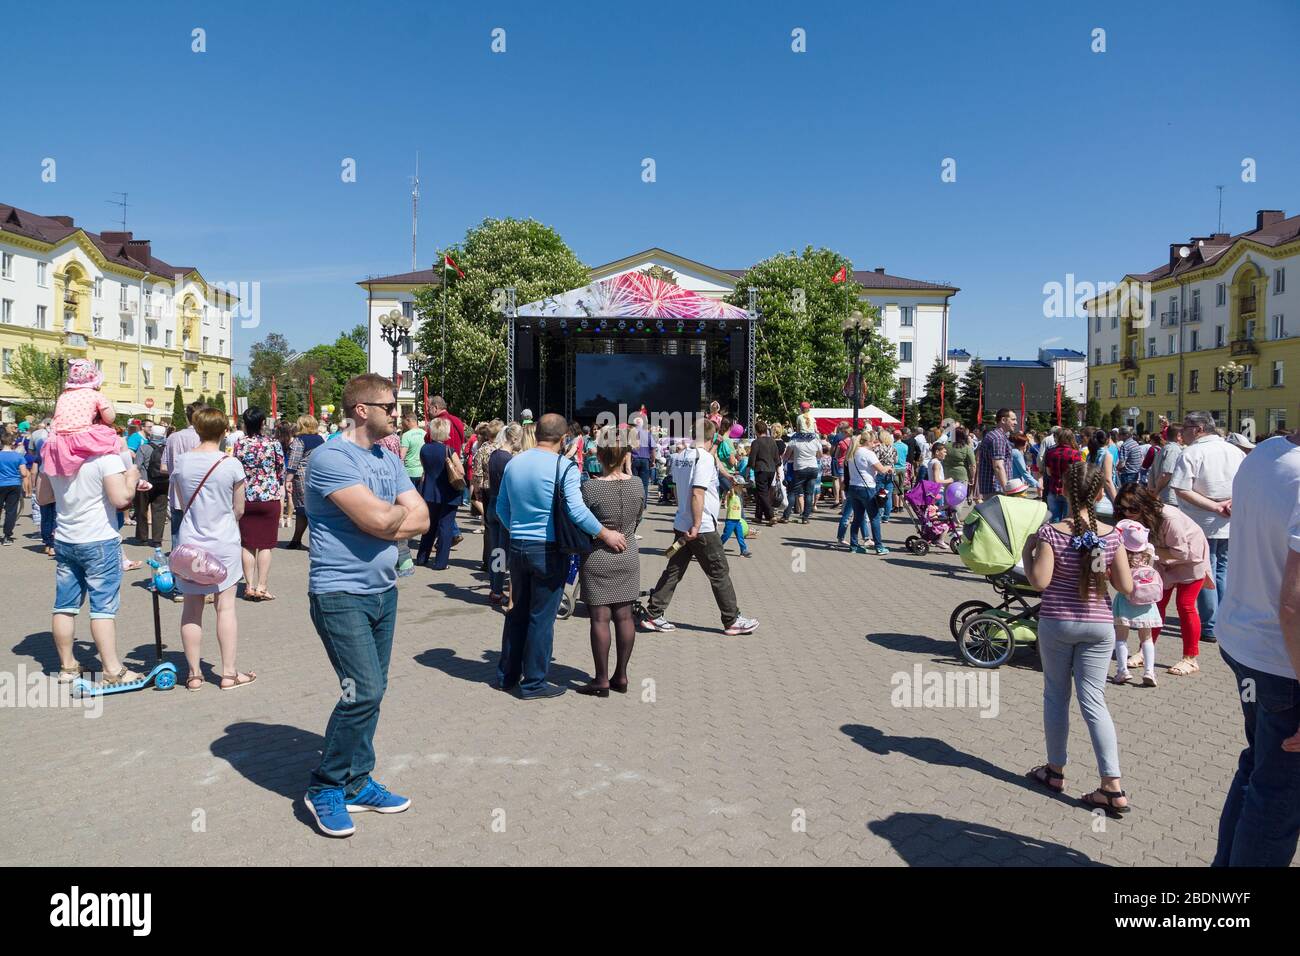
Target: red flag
x=842 y=275
x=1058 y=404
x=273 y=405
x=979 y=414
x=311 y=401
x=941 y=401
x=426 y=401
x=449 y=263
x=1022 y=406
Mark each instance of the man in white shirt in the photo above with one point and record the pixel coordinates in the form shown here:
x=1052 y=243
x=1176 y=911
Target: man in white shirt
x=88 y=556
x=1203 y=482
x=1259 y=637
x=695 y=535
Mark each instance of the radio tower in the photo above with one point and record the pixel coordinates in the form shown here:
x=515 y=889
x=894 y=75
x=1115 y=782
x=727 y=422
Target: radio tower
x=415 y=212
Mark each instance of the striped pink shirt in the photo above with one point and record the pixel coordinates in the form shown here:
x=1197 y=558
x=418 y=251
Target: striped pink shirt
x=1061 y=596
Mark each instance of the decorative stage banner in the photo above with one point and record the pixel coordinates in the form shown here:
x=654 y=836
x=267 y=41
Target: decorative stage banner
x=632 y=296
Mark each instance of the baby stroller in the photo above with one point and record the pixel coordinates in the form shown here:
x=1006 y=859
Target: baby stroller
x=934 y=523
x=993 y=536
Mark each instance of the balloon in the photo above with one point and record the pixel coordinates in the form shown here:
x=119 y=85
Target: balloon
x=737 y=430
x=956 y=494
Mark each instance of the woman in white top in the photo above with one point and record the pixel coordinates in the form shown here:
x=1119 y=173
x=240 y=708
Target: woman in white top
x=803 y=451
x=209 y=485
x=937 y=454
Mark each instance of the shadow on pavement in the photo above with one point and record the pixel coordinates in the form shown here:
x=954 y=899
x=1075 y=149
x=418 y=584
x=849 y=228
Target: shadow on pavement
x=918 y=644
x=485 y=671
x=276 y=757
x=925 y=839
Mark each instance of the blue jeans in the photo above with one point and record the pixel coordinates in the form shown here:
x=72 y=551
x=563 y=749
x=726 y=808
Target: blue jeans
x=641 y=469
x=865 y=504
x=1207 y=602
x=730 y=527
x=47 y=524
x=805 y=483
x=886 y=506
x=93 y=570
x=537 y=573
x=1128 y=478
x=498 y=549
x=1260 y=823
x=1057 y=507
x=357 y=631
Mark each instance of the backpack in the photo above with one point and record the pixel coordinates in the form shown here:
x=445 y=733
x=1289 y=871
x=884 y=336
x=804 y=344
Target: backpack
x=153 y=467
x=455 y=470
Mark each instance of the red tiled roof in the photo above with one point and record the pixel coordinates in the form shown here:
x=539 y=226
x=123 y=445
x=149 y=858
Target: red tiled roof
x=1207 y=251
x=870 y=279
x=51 y=230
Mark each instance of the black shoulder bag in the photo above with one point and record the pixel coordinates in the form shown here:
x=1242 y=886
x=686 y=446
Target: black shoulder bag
x=569 y=538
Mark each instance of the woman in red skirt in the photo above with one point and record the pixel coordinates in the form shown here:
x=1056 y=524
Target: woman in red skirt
x=263 y=459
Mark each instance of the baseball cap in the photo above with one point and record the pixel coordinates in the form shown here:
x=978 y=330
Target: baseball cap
x=805 y=405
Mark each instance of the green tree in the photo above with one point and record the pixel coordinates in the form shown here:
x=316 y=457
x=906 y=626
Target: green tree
x=940 y=375
x=268 y=359
x=496 y=254
x=801 y=350
x=1069 y=412
x=38 y=378
x=178 y=408
x=359 y=335
x=333 y=365
x=969 y=399
x=914 y=414
x=1092 y=413
x=219 y=401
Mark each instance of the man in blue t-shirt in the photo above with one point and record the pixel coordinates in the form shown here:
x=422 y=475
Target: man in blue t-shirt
x=361 y=503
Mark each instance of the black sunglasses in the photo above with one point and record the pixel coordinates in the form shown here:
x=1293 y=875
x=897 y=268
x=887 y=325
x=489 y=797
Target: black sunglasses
x=389 y=407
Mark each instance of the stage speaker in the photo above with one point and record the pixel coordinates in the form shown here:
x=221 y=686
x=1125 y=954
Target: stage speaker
x=524 y=351
x=738 y=350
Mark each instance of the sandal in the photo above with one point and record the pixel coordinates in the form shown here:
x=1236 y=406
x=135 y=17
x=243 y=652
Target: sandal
x=191 y=679
x=1107 y=801
x=1118 y=679
x=237 y=682
x=68 y=674
x=131 y=566
x=1046 y=777
x=1184 y=668
x=124 y=676
x=252 y=594
x=265 y=596
x=1134 y=661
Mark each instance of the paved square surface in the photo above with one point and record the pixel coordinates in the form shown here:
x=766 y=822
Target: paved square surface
x=784 y=746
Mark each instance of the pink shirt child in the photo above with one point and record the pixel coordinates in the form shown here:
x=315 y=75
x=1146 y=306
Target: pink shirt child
x=83 y=422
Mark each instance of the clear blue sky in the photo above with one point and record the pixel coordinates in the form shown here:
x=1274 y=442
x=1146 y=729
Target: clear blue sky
x=1067 y=160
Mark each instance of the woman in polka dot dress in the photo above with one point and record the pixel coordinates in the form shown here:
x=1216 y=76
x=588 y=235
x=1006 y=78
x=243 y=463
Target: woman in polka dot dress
x=83 y=422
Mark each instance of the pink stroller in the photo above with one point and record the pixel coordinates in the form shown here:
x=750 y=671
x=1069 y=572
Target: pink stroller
x=934 y=522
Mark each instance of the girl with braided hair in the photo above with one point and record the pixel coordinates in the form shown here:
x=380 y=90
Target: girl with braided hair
x=1071 y=562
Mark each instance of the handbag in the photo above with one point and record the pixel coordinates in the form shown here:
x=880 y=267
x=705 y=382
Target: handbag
x=455 y=470
x=569 y=538
x=191 y=563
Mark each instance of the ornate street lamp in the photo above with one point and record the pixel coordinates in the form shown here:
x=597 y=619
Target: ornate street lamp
x=396 y=329
x=1230 y=375
x=857 y=333
x=418 y=360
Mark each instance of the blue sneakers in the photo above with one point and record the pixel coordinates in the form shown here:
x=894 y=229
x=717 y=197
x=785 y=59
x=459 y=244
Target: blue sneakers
x=374 y=796
x=331 y=815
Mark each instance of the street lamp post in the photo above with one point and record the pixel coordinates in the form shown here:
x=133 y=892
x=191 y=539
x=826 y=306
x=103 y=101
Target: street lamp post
x=1230 y=375
x=417 y=361
x=395 y=328
x=856 y=336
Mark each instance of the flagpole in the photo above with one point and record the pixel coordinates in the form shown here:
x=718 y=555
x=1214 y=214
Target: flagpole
x=443 y=363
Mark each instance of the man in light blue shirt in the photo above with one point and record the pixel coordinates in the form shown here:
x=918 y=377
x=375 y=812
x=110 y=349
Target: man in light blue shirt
x=537 y=568
x=361 y=504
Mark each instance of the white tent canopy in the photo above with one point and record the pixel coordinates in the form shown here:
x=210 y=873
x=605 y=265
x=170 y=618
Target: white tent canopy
x=870 y=412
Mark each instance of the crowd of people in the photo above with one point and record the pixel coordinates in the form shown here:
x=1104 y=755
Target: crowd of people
x=1145 y=517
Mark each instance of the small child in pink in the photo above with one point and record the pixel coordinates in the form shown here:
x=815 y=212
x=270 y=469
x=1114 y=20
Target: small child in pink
x=83 y=422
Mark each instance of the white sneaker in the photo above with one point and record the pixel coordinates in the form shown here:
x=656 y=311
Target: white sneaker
x=657 y=624
x=741 y=625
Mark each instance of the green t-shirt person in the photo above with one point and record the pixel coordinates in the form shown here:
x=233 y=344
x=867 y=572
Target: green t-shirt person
x=959 y=463
x=412 y=442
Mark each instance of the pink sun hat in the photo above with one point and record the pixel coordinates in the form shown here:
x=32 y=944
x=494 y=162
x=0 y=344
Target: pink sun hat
x=1133 y=535
x=82 y=373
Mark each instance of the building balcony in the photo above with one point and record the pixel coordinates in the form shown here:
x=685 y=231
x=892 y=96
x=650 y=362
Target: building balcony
x=1168 y=319
x=74 y=340
x=190 y=357
x=1129 y=364
x=1246 y=305
x=1244 y=347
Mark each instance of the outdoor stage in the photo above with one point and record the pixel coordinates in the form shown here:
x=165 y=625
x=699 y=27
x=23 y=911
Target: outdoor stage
x=630 y=341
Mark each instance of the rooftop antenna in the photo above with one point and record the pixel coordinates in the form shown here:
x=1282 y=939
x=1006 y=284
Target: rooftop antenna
x=121 y=203
x=1220 y=189
x=415 y=211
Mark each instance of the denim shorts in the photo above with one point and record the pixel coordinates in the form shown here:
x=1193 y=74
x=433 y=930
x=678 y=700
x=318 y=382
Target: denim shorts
x=94 y=569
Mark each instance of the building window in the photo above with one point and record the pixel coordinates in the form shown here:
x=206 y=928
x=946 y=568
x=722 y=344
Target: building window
x=187 y=378
x=151 y=332
x=205 y=345
x=6 y=361
x=907 y=316
x=6 y=265
x=905 y=351
x=1114 y=389
x=121 y=298
x=408 y=310
x=1276 y=419
x=1218 y=336
x=408 y=345
x=406 y=379
x=221 y=381
x=1114 y=321
x=1250 y=330
x=123 y=329
x=40 y=316
x=69 y=319
x=1277 y=372
x=1169 y=382
x=1248 y=376
x=1196 y=340
x=1096 y=356
x=146 y=376
x=167 y=377
x=1114 y=354
x=1173 y=309
x=205 y=379
x=97 y=326
x=1221 y=294
x=167 y=338
x=6 y=311
x=1096 y=389
x=1196 y=305
x=121 y=373
x=1151 y=347
x=1132 y=387
x=99 y=287
x=99 y=367
x=1171 y=345
x=1279 y=281
x=1279 y=327
x=1097 y=324
x=42 y=274
x=1194 y=380
x=1151 y=384
x=221 y=346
